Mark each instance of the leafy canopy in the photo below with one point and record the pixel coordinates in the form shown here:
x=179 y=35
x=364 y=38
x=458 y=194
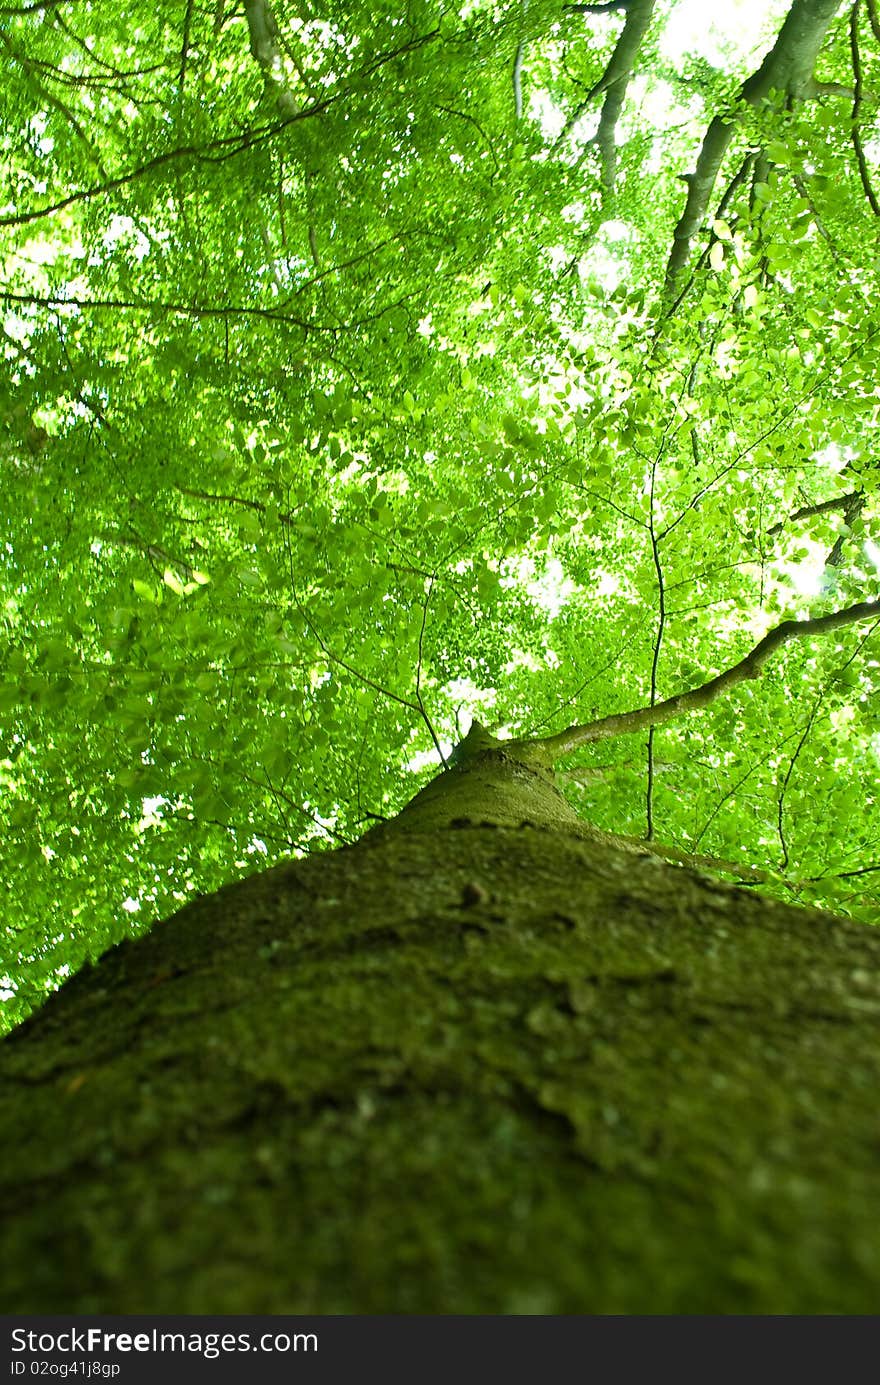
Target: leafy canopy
x=362 y=372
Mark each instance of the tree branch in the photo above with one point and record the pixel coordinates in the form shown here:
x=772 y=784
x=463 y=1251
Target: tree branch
x=787 y=68
x=517 y=79
x=608 y=8
x=36 y=8
x=328 y=654
x=145 y=306
x=625 y=723
x=184 y=48
x=216 y=152
x=31 y=70
x=851 y=513
x=658 y=643
x=263 y=32
x=745 y=169
x=419 y=698
x=856 y=107
x=839 y=502
x=198 y=311
x=614 y=81
x=783 y=788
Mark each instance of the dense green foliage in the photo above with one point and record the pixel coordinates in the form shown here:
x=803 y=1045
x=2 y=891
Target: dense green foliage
x=345 y=394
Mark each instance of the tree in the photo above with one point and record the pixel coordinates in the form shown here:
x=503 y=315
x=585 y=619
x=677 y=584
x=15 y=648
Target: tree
x=368 y=371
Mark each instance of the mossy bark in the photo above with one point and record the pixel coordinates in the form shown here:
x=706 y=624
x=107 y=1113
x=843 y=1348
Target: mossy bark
x=483 y=1061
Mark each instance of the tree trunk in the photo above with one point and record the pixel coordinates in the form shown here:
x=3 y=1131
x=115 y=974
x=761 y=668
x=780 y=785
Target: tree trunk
x=486 y=1060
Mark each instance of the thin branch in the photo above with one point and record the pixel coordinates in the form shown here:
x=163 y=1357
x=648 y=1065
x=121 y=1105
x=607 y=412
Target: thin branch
x=817 y=704
x=772 y=428
x=328 y=654
x=783 y=788
x=36 y=8
x=231 y=145
x=153 y=552
x=278 y=793
x=389 y=54
x=112 y=77
x=658 y=643
x=184 y=48
x=313 y=247
x=607 y=8
x=278 y=807
x=573 y=697
x=604 y=499
x=419 y=699
x=735 y=788
x=28 y=67
x=353 y=260
x=114 y=73
x=856 y=107
x=842 y=874
x=804 y=191
x=257 y=505
x=215 y=152
x=145 y=306
x=625 y=723
x=463 y=115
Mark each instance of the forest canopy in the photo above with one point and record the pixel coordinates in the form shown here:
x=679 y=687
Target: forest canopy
x=372 y=368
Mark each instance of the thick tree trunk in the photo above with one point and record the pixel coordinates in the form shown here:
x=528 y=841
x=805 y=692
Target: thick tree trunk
x=483 y=1061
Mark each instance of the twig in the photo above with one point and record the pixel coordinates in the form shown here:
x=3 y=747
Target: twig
x=419 y=699
x=658 y=642
x=216 y=152
x=783 y=789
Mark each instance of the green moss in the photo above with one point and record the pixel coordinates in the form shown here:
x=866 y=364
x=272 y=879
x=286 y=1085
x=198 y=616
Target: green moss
x=493 y=1069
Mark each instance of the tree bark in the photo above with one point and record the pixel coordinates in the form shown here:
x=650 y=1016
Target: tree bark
x=486 y=1060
